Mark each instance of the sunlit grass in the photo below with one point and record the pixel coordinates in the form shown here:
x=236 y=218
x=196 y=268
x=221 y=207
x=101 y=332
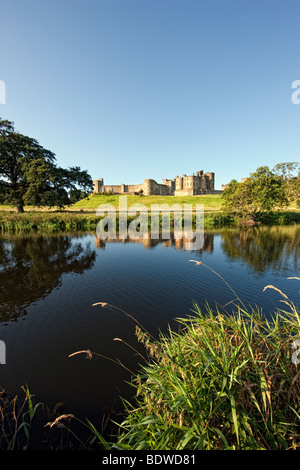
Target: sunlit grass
x=210 y=201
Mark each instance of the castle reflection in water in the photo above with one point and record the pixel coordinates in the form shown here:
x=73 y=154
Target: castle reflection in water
x=148 y=242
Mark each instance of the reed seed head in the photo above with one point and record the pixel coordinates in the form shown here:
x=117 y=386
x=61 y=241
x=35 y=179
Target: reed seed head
x=102 y=304
x=57 y=421
x=88 y=352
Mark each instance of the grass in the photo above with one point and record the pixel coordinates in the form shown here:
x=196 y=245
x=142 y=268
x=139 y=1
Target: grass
x=82 y=215
x=87 y=221
x=46 y=221
x=16 y=420
x=224 y=382
x=67 y=221
x=211 y=202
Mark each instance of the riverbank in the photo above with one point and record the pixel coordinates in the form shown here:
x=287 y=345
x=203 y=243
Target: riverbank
x=67 y=220
x=82 y=215
x=222 y=382
x=225 y=382
x=228 y=380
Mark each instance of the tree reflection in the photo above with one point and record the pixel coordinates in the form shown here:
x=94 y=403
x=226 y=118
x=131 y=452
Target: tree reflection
x=264 y=247
x=32 y=266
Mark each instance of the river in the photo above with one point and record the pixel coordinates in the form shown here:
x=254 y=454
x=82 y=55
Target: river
x=49 y=284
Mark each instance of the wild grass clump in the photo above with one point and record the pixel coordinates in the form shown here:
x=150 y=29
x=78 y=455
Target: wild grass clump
x=220 y=219
x=223 y=382
x=46 y=222
x=16 y=420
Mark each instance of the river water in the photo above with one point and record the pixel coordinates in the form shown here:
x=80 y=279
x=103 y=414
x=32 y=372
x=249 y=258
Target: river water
x=49 y=284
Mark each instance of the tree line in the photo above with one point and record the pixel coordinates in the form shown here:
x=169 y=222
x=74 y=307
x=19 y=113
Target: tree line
x=29 y=175
x=264 y=190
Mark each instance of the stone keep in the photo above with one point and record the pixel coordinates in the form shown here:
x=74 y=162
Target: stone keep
x=199 y=183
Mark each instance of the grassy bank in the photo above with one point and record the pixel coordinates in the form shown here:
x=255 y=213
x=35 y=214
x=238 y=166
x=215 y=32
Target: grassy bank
x=46 y=221
x=212 y=202
x=82 y=215
x=51 y=222
x=223 y=381
x=66 y=220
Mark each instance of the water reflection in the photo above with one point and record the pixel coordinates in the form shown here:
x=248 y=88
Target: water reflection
x=261 y=248
x=178 y=244
x=32 y=266
x=155 y=285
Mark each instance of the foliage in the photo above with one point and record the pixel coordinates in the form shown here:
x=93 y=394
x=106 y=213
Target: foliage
x=15 y=432
x=263 y=190
x=225 y=382
x=287 y=171
x=29 y=174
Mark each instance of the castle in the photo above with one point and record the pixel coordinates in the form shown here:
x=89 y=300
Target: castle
x=199 y=183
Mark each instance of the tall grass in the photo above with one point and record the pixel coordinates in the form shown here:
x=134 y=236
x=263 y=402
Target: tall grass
x=56 y=221
x=225 y=381
x=53 y=222
x=16 y=421
x=48 y=222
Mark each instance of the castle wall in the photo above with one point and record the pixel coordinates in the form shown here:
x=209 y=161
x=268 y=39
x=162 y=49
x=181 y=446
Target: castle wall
x=114 y=188
x=184 y=192
x=152 y=187
x=179 y=186
x=134 y=188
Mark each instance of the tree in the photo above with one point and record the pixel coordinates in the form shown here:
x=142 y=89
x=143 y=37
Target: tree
x=261 y=191
x=29 y=174
x=290 y=172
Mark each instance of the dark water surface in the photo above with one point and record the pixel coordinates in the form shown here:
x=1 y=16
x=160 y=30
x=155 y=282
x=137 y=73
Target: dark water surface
x=49 y=283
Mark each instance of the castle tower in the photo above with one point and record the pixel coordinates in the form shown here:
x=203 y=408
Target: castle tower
x=98 y=185
x=211 y=181
x=178 y=182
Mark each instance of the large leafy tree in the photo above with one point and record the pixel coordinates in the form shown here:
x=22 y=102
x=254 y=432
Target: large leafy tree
x=29 y=174
x=290 y=172
x=263 y=190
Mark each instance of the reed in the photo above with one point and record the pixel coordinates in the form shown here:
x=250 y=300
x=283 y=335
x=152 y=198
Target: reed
x=16 y=419
x=46 y=222
x=226 y=381
x=67 y=220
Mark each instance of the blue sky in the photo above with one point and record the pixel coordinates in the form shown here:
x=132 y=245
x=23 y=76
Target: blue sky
x=134 y=89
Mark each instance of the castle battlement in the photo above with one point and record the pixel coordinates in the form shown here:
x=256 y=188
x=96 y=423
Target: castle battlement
x=199 y=183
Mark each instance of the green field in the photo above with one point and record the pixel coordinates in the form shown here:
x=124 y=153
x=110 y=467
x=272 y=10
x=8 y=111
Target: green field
x=82 y=215
x=212 y=202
